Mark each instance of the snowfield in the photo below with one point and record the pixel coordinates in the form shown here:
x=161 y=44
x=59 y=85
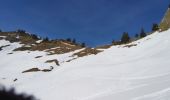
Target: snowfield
x=140 y=72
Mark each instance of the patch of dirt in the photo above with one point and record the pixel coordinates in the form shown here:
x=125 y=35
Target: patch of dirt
x=22 y=49
x=12 y=39
x=130 y=45
x=103 y=47
x=86 y=52
x=38 y=56
x=3 y=47
x=117 y=43
x=52 y=47
x=62 y=48
x=32 y=70
x=1 y=38
x=15 y=79
x=48 y=70
x=54 y=60
x=38 y=70
x=71 y=60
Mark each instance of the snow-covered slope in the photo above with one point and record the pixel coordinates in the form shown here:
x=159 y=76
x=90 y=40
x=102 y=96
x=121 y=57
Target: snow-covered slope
x=141 y=72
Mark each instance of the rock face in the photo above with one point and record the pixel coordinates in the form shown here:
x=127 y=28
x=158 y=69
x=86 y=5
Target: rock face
x=165 y=23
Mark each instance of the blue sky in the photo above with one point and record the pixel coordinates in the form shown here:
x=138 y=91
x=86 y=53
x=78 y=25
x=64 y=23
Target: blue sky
x=94 y=22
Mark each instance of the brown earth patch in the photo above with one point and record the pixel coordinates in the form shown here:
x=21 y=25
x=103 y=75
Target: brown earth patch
x=22 y=49
x=32 y=70
x=48 y=70
x=86 y=52
x=103 y=47
x=52 y=47
x=38 y=56
x=37 y=70
x=71 y=60
x=54 y=60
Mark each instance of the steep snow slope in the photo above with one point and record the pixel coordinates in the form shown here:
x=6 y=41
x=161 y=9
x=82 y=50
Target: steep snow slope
x=140 y=72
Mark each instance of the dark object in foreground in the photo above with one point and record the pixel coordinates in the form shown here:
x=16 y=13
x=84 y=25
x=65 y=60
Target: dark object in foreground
x=11 y=95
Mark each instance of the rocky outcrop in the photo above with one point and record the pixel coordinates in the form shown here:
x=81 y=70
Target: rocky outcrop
x=165 y=23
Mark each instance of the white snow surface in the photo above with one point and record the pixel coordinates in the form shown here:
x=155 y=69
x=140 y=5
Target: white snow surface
x=141 y=72
x=39 y=41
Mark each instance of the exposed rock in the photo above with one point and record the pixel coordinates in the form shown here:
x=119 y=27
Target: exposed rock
x=3 y=47
x=48 y=70
x=15 y=79
x=37 y=70
x=10 y=53
x=54 y=60
x=71 y=60
x=31 y=70
x=165 y=23
x=38 y=56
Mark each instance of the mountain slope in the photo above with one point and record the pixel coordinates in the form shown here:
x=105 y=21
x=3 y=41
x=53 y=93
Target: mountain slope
x=137 y=71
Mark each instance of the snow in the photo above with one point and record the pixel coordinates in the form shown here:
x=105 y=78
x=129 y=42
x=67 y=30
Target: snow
x=39 y=41
x=140 y=72
x=18 y=37
x=3 y=36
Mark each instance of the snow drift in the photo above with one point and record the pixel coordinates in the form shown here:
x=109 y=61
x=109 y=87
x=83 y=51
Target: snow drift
x=140 y=72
